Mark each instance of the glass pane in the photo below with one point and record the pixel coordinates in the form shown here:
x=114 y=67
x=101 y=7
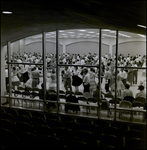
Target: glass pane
x=131 y=53
x=108 y=69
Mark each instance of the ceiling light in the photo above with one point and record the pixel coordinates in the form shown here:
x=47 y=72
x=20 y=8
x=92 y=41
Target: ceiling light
x=112 y=31
x=91 y=32
x=63 y=34
x=141 y=35
x=141 y=26
x=61 y=31
x=7 y=12
x=70 y=32
x=105 y=30
x=82 y=30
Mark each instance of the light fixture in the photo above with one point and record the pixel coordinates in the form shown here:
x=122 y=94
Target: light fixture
x=82 y=30
x=142 y=26
x=70 y=32
x=90 y=32
x=7 y=12
x=141 y=35
x=61 y=31
x=112 y=31
x=105 y=30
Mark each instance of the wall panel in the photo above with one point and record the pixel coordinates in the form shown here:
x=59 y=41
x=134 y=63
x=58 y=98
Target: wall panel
x=132 y=48
x=37 y=47
x=85 y=47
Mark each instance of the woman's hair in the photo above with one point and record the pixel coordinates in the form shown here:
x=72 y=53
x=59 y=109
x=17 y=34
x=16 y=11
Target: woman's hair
x=127 y=86
x=53 y=71
x=14 y=68
x=91 y=69
x=141 y=87
x=85 y=71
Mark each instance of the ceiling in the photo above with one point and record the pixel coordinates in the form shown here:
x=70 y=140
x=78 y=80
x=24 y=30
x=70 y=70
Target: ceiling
x=87 y=33
x=33 y=17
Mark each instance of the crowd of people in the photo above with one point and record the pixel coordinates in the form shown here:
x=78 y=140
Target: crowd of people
x=72 y=77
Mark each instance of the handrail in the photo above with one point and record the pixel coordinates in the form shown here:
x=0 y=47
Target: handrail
x=76 y=104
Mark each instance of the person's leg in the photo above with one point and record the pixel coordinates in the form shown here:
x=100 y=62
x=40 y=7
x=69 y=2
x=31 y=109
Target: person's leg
x=76 y=89
x=86 y=88
x=69 y=84
x=65 y=85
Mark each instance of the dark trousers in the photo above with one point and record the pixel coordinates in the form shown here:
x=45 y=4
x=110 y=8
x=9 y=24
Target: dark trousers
x=135 y=73
x=7 y=81
x=123 y=81
x=86 y=88
x=67 y=84
x=107 y=86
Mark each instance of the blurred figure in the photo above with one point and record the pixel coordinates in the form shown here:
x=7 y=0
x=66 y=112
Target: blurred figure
x=86 y=81
x=67 y=79
x=127 y=91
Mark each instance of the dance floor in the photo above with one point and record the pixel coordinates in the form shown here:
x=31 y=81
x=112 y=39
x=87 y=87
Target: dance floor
x=103 y=114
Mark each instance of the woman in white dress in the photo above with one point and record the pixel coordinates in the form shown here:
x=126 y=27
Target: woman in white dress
x=53 y=83
x=14 y=79
x=92 y=80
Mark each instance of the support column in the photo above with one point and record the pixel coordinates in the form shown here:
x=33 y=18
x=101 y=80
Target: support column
x=64 y=48
x=111 y=49
x=21 y=46
x=9 y=72
x=44 y=68
x=3 y=84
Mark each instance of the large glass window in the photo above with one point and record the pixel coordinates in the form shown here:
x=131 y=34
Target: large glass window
x=91 y=69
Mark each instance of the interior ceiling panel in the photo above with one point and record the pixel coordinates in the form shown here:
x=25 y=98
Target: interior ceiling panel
x=32 y=17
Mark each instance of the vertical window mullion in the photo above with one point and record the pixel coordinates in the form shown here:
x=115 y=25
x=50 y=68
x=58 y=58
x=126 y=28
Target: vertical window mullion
x=57 y=67
x=9 y=72
x=116 y=74
x=44 y=66
x=100 y=40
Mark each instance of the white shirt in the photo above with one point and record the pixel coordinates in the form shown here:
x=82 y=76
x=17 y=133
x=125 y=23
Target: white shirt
x=6 y=72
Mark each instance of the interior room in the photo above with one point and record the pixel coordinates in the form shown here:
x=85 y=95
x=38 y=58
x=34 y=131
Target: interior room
x=90 y=74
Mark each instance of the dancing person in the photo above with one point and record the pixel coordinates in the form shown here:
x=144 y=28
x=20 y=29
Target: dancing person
x=67 y=79
x=86 y=81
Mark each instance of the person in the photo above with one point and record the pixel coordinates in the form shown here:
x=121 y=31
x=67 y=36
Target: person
x=123 y=75
x=6 y=75
x=15 y=80
x=142 y=92
x=127 y=91
x=67 y=79
x=53 y=82
x=76 y=80
x=92 y=80
x=35 y=77
x=130 y=75
x=86 y=80
x=107 y=79
x=135 y=72
x=120 y=85
x=96 y=93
